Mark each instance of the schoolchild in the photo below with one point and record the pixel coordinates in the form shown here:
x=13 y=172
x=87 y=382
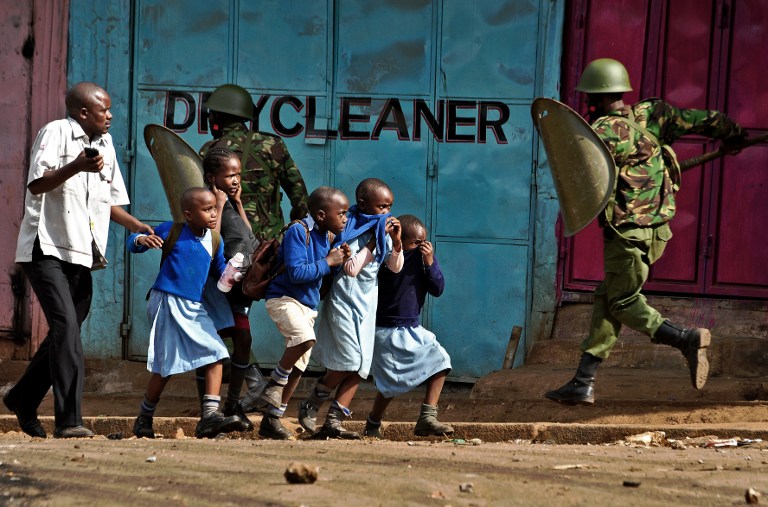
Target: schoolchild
x=293 y=296
x=347 y=325
x=405 y=354
x=182 y=335
x=221 y=171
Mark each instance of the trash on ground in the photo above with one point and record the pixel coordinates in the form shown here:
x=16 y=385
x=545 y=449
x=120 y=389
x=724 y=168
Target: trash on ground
x=752 y=496
x=731 y=442
x=301 y=473
x=649 y=438
x=466 y=487
x=151 y=459
x=631 y=484
x=658 y=439
x=576 y=466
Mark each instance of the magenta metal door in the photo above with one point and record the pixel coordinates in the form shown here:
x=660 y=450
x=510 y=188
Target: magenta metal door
x=705 y=54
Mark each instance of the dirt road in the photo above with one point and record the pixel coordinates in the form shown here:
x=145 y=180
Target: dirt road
x=194 y=472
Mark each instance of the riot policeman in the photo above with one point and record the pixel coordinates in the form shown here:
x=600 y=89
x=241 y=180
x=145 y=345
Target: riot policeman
x=636 y=219
x=266 y=168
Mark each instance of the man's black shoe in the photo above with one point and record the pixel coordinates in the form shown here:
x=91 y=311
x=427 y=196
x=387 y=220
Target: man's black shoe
x=72 y=432
x=29 y=424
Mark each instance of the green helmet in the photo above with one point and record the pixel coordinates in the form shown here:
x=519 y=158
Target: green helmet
x=604 y=75
x=231 y=99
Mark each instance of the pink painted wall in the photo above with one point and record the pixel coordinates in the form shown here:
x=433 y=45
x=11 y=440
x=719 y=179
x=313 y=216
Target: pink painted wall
x=32 y=85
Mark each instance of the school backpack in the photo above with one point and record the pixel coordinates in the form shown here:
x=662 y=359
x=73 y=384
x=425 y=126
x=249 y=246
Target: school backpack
x=264 y=267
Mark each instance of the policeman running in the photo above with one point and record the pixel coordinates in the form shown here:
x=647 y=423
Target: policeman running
x=636 y=220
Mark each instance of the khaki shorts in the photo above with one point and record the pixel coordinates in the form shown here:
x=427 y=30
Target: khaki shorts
x=295 y=322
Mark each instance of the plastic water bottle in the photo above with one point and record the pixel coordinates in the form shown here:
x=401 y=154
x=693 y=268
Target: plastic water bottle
x=231 y=273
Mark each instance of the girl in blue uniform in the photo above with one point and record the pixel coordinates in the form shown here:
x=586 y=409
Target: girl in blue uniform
x=405 y=354
x=347 y=323
x=182 y=336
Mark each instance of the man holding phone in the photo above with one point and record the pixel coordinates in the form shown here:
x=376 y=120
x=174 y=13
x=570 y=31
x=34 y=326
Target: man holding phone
x=62 y=237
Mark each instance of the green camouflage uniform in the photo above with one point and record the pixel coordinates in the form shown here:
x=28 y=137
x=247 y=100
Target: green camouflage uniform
x=636 y=227
x=268 y=167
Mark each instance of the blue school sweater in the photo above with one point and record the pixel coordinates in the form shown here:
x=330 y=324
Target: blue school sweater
x=185 y=270
x=305 y=266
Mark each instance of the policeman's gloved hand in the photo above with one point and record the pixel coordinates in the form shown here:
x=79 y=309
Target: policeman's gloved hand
x=733 y=141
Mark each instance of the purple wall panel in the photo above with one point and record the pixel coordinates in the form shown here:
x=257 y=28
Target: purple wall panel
x=742 y=256
x=15 y=73
x=747 y=91
x=33 y=80
x=704 y=54
x=688 y=49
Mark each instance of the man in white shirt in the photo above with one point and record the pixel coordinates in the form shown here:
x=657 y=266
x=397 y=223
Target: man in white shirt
x=74 y=188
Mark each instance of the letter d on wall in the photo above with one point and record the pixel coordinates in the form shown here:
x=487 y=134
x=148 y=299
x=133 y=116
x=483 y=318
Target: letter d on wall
x=183 y=102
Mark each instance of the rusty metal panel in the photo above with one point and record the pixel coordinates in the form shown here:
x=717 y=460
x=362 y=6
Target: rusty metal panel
x=283 y=45
x=181 y=41
x=384 y=47
x=16 y=53
x=100 y=33
x=33 y=80
x=485 y=291
x=489 y=49
x=491 y=182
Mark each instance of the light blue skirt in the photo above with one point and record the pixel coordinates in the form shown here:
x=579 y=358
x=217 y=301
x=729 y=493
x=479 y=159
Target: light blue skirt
x=404 y=357
x=217 y=305
x=182 y=335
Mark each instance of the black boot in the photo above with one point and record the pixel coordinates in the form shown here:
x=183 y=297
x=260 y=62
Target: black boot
x=580 y=390
x=332 y=428
x=428 y=425
x=310 y=406
x=693 y=344
x=271 y=427
x=237 y=410
x=214 y=423
x=142 y=427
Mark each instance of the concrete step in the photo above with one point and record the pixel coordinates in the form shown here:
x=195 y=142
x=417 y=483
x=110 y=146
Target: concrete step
x=464 y=433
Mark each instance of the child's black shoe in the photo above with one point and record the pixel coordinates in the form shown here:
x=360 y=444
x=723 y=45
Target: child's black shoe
x=235 y=409
x=214 y=423
x=142 y=427
x=271 y=427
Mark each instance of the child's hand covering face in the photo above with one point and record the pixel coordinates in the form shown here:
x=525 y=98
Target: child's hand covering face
x=394 y=230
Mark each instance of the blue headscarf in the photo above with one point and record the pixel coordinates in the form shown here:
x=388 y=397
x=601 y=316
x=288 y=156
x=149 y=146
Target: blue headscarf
x=358 y=223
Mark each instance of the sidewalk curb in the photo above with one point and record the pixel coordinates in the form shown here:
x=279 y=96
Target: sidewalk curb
x=547 y=433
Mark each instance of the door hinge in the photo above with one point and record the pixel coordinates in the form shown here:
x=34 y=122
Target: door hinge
x=125 y=328
x=708 y=246
x=431 y=170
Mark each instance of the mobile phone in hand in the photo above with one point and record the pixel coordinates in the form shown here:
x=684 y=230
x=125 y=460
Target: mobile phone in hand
x=91 y=152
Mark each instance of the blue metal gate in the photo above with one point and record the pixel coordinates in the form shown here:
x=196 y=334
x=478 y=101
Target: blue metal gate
x=431 y=96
